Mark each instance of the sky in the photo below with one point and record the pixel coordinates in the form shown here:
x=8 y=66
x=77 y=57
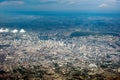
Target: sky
x=99 y=6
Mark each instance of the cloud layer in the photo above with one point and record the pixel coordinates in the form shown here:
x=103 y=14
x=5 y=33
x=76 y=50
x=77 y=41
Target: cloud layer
x=103 y=5
x=73 y=5
x=11 y=2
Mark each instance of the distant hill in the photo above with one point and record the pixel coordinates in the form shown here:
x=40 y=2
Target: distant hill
x=78 y=34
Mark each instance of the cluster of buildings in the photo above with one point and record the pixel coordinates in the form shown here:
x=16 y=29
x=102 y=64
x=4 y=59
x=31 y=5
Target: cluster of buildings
x=85 y=52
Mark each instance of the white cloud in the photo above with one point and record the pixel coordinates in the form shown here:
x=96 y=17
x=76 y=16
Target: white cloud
x=4 y=30
x=103 y=5
x=14 y=31
x=48 y=1
x=22 y=31
x=58 y=1
x=4 y=3
x=71 y=2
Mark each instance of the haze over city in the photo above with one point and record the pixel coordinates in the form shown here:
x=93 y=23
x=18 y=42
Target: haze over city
x=59 y=40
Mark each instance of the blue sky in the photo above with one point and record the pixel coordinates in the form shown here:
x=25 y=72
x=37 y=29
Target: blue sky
x=102 y=6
